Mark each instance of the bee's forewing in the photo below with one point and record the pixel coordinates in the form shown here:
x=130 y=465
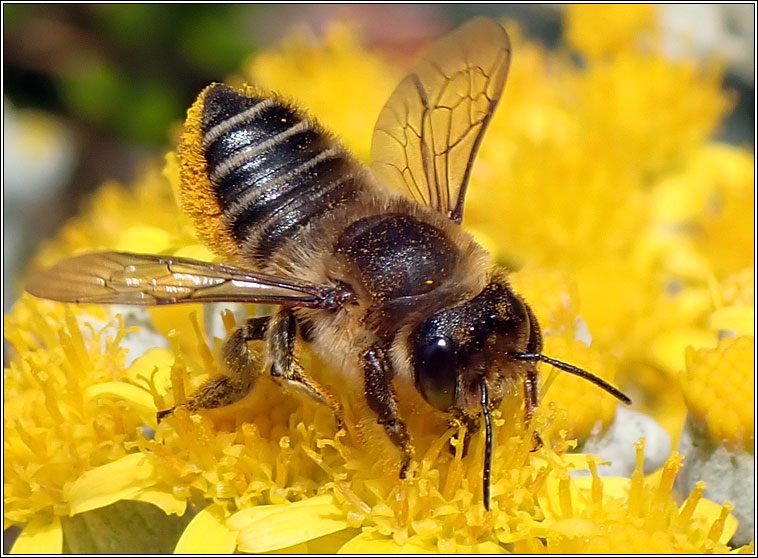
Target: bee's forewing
x=144 y=279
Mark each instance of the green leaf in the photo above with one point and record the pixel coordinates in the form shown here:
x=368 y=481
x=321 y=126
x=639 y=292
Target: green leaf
x=125 y=527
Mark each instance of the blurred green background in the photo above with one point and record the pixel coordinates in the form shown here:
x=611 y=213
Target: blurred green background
x=91 y=90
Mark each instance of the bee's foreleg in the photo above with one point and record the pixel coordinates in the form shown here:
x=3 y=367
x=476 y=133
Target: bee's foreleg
x=242 y=367
x=382 y=400
x=285 y=368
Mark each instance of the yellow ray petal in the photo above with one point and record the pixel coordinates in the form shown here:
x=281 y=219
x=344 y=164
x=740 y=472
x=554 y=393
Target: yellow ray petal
x=140 y=400
x=709 y=511
x=40 y=537
x=242 y=519
x=207 y=534
x=266 y=528
x=155 y=363
x=559 y=497
x=573 y=527
x=487 y=547
x=371 y=543
x=122 y=479
x=739 y=319
x=613 y=487
x=298 y=549
x=745 y=549
x=579 y=460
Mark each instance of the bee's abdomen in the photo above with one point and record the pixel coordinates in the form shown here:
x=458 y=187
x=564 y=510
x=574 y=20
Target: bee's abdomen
x=255 y=171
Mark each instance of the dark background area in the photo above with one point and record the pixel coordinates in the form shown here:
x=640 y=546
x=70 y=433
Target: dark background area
x=104 y=84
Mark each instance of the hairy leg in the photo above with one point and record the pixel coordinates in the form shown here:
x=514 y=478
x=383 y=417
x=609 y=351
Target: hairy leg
x=531 y=380
x=241 y=365
x=382 y=400
x=285 y=368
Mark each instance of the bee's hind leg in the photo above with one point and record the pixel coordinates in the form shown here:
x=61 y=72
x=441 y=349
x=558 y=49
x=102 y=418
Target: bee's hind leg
x=242 y=368
x=285 y=368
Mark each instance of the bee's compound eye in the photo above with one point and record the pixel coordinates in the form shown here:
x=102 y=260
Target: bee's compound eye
x=436 y=372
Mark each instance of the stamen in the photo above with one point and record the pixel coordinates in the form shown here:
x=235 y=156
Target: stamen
x=487 y=445
x=577 y=372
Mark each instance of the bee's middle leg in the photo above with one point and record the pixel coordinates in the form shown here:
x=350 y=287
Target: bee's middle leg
x=285 y=368
x=531 y=382
x=242 y=367
x=531 y=379
x=382 y=400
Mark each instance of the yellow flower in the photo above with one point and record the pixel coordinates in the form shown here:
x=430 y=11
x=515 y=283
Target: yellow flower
x=738 y=289
x=600 y=30
x=718 y=382
x=575 y=158
x=554 y=298
x=609 y=515
x=718 y=387
x=73 y=412
x=341 y=83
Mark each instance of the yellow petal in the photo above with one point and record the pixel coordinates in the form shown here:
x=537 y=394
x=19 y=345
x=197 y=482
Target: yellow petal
x=169 y=317
x=120 y=480
x=207 y=534
x=487 y=547
x=579 y=460
x=709 y=511
x=326 y=544
x=243 y=518
x=739 y=319
x=155 y=364
x=371 y=543
x=559 y=497
x=573 y=527
x=166 y=501
x=745 y=549
x=613 y=487
x=299 y=549
x=667 y=349
x=331 y=543
x=266 y=528
x=140 y=400
x=40 y=537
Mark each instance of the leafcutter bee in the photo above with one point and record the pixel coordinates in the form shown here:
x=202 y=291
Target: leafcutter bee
x=370 y=266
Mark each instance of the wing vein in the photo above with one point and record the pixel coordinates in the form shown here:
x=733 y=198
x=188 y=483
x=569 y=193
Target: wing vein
x=428 y=133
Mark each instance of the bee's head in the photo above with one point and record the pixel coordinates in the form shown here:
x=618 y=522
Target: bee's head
x=454 y=350
x=467 y=357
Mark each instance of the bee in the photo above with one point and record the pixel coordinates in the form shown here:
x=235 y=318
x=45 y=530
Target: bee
x=368 y=265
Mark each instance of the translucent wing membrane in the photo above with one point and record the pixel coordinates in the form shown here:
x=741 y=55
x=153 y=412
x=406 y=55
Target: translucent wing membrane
x=427 y=134
x=125 y=278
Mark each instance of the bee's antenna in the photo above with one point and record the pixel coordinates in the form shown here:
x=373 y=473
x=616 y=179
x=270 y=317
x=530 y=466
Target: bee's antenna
x=487 y=444
x=577 y=372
